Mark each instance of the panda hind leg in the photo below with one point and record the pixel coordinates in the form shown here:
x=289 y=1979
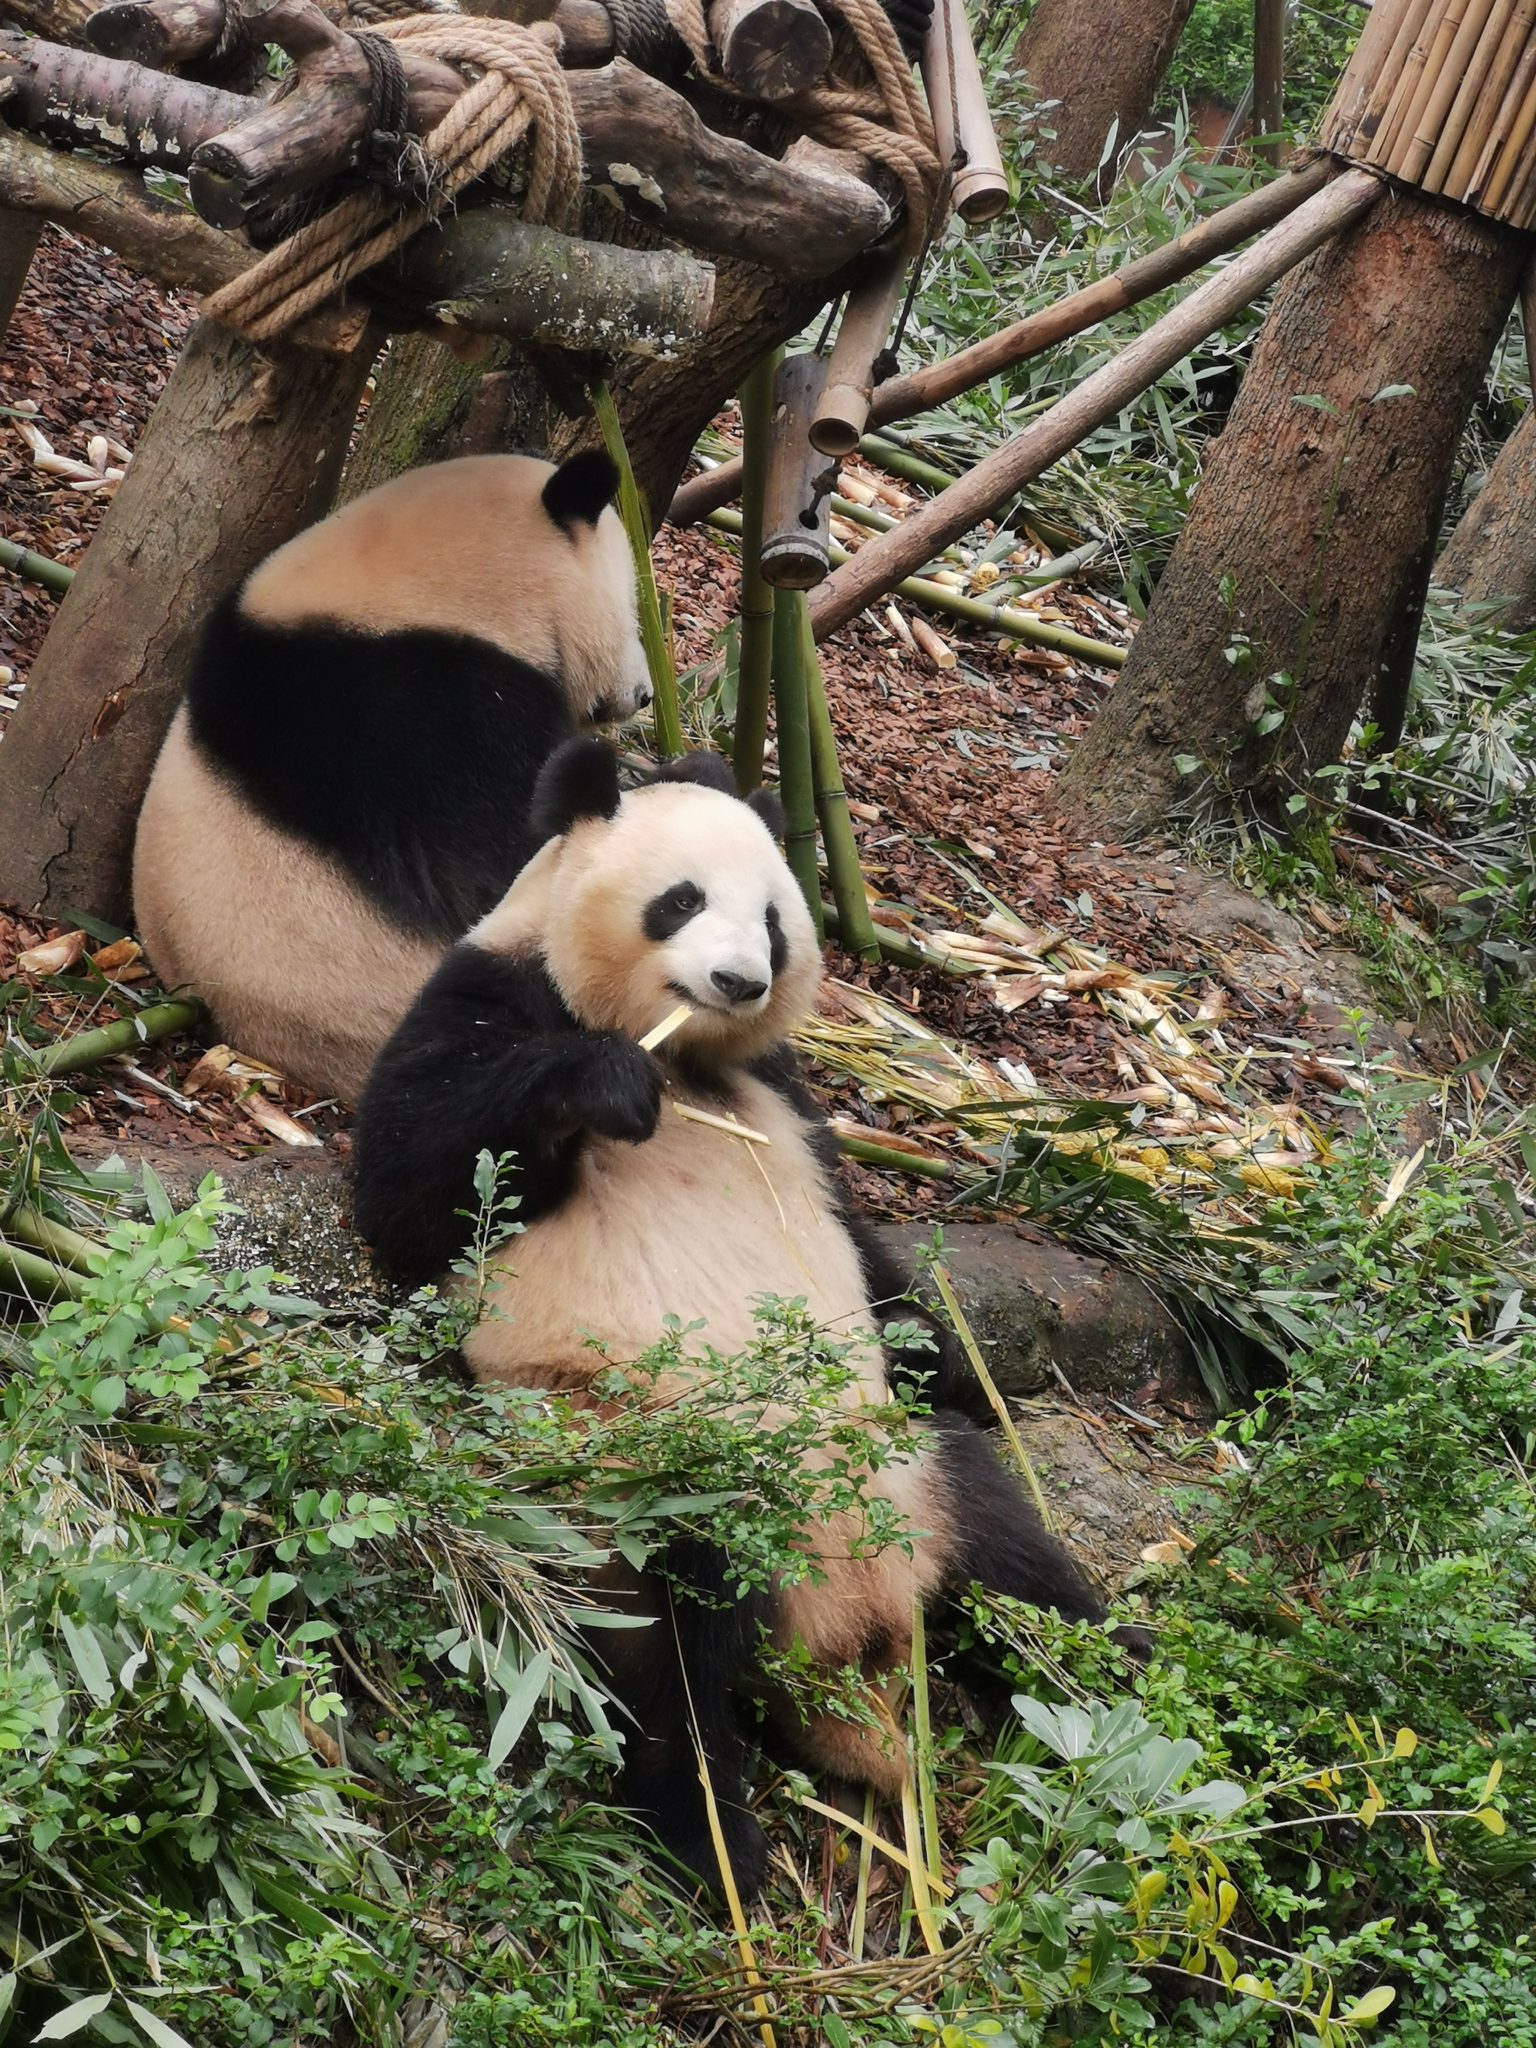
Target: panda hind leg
x=675 y=1680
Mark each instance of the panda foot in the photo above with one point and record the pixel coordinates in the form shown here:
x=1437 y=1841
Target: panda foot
x=687 y=1839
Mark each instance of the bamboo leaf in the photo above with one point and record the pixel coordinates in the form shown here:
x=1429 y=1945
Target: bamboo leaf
x=74 y=2017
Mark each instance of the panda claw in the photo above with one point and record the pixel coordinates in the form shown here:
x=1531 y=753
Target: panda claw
x=621 y=1092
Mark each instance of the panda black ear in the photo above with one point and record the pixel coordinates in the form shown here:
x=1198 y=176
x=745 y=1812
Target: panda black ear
x=710 y=771
x=579 y=489
x=768 y=807
x=579 y=780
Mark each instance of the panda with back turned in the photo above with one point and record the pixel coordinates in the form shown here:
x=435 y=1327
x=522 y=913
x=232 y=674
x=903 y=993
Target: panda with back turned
x=525 y=1041
x=346 y=787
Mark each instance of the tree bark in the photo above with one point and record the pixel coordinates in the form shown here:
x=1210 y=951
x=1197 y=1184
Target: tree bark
x=18 y=245
x=242 y=450
x=1102 y=61
x=1299 y=579
x=421 y=402
x=1492 y=554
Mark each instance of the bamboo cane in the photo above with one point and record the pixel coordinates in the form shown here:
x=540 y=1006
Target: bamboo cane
x=792 y=728
x=962 y=121
x=754 y=674
x=1427 y=130
x=90 y=1048
x=797 y=503
x=36 y=568
x=881 y=565
x=23 y=1272
x=1463 y=113
x=55 y=1241
x=1416 y=81
x=844 y=873
x=1351 y=94
x=1461 y=176
x=842 y=410
x=993 y=618
x=1503 y=161
x=900 y=397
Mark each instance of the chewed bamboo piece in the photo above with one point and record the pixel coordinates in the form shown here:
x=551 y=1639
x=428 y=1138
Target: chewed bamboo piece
x=728 y=1124
x=660 y=1033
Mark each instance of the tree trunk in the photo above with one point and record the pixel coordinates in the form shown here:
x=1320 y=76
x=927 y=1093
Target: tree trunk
x=1299 y=579
x=242 y=450
x=18 y=245
x=1492 y=553
x=1102 y=61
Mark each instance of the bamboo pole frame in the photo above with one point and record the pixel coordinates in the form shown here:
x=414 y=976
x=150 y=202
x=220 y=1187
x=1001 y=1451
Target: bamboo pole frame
x=754 y=660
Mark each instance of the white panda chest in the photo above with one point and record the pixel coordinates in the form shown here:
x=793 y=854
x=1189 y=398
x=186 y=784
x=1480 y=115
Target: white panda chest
x=694 y=1223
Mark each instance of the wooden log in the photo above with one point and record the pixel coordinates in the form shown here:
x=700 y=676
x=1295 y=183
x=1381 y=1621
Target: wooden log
x=797 y=513
x=318 y=127
x=204 y=38
x=962 y=121
x=842 y=410
x=771 y=49
x=900 y=397
x=80 y=99
x=163 y=241
x=63 y=20
x=492 y=272
x=882 y=564
x=242 y=450
x=1269 y=74
x=797 y=215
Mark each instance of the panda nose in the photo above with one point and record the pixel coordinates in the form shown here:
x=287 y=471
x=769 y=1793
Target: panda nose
x=737 y=986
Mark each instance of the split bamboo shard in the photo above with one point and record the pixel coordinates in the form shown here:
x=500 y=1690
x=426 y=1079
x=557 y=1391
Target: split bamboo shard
x=1442 y=94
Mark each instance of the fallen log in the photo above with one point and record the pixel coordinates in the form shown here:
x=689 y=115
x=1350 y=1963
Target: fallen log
x=899 y=398
x=82 y=100
x=206 y=39
x=880 y=566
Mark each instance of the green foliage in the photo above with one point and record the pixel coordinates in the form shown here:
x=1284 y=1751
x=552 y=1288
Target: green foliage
x=1215 y=56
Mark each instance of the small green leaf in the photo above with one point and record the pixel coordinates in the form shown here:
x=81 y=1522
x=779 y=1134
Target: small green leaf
x=1390 y=391
x=109 y=1394
x=1369 y=2008
x=73 y=2017
x=1491 y=1818
x=154 y=2028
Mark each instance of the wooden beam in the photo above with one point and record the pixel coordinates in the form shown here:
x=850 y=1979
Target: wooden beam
x=882 y=563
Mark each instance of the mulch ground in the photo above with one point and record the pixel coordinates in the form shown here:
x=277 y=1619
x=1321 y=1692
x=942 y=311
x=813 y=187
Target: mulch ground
x=950 y=772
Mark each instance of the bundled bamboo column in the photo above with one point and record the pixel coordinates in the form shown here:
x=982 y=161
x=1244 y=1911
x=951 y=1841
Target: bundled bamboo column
x=1442 y=94
x=754 y=659
x=797 y=519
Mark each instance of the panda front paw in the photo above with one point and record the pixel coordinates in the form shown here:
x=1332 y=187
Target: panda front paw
x=620 y=1091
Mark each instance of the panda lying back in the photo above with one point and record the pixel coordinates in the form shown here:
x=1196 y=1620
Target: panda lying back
x=525 y=1041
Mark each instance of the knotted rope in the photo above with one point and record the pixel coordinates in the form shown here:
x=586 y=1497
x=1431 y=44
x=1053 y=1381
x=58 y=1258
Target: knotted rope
x=888 y=123
x=520 y=87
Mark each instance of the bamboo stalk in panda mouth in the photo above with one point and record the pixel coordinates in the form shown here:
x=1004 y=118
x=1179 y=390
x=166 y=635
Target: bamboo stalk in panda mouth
x=658 y=1035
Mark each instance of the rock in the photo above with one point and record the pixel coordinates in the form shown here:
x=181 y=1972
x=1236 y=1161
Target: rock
x=1033 y=1304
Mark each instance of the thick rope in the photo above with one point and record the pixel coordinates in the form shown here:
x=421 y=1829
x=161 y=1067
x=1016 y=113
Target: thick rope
x=520 y=87
x=889 y=124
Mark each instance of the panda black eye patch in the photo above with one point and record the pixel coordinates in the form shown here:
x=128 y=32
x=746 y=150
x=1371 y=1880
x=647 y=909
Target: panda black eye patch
x=778 y=945
x=666 y=914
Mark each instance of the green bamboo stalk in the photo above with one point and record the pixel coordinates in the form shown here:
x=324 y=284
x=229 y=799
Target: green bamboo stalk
x=89 y=1048
x=894 y=947
x=23 y=1272
x=891 y=1161
x=56 y=1240
x=843 y=869
x=912 y=469
x=792 y=726
x=996 y=618
x=754 y=673
x=637 y=525
x=923 y=1753
x=36 y=568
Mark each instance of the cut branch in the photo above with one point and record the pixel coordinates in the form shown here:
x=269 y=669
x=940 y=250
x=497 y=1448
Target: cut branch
x=86 y=101
x=165 y=242
x=900 y=397
x=799 y=215
x=878 y=567
x=772 y=49
x=494 y=273
x=207 y=39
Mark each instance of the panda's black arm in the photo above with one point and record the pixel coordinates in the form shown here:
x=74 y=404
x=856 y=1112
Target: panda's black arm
x=941 y=1374
x=488 y=1059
